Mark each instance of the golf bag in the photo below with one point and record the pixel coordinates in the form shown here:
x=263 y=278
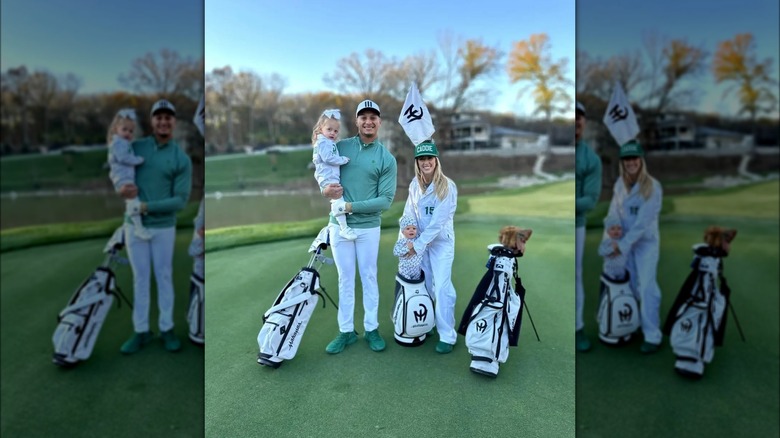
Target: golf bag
x=618 y=314
x=696 y=323
x=196 y=315
x=491 y=322
x=285 y=322
x=413 y=312
x=79 y=323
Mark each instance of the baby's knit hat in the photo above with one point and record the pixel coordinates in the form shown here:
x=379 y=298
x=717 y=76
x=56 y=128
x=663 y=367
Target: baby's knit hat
x=406 y=221
x=611 y=220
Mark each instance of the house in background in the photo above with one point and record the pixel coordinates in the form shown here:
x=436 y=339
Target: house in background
x=471 y=132
x=678 y=133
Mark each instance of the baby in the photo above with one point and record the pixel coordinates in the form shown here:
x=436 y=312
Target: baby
x=122 y=162
x=408 y=267
x=614 y=261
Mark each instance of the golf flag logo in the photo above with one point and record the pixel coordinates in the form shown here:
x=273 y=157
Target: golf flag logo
x=620 y=118
x=415 y=118
x=200 y=117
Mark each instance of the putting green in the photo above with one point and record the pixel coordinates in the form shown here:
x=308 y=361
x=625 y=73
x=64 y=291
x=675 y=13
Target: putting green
x=619 y=389
x=401 y=391
x=151 y=393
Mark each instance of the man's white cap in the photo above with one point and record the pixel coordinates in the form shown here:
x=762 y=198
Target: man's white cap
x=163 y=104
x=581 y=108
x=367 y=104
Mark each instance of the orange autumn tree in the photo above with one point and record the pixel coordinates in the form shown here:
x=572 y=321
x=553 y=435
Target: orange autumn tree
x=735 y=61
x=531 y=61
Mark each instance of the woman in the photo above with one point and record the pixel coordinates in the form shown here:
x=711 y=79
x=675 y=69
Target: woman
x=636 y=200
x=432 y=201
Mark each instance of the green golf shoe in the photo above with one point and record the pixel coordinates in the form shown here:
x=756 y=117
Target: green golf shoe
x=337 y=345
x=136 y=342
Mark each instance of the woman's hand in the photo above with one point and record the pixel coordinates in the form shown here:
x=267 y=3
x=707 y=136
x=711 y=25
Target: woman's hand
x=333 y=191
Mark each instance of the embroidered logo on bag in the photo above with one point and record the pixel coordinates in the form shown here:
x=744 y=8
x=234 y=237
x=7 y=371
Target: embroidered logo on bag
x=625 y=314
x=481 y=326
x=686 y=325
x=422 y=314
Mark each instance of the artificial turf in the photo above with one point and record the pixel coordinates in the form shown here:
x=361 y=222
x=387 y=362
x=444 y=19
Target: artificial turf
x=152 y=393
x=401 y=391
x=621 y=392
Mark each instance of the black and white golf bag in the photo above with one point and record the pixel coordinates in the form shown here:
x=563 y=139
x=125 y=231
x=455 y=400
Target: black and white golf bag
x=618 y=316
x=414 y=315
x=79 y=323
x=196 y=316
x=491 y=322
x=285 y=322
x=696 y=322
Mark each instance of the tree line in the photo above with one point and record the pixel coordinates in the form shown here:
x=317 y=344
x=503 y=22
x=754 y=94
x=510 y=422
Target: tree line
x=250 y=108
x=663 y=76
x=42 y=108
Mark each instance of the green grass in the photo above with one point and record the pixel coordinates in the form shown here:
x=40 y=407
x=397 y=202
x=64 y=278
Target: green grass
x=401 y=391
x=52 y=171
x=257 y=171
x=152 y=393
x=618 y=389
x=36 y=235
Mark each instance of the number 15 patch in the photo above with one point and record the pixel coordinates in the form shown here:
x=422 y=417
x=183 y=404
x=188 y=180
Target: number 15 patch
x=429 y=210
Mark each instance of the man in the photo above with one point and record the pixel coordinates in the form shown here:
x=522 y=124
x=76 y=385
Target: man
x=163 y=184
x=588 y=189
x=368 y=185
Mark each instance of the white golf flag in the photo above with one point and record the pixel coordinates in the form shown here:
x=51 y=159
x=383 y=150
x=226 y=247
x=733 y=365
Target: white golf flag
x=620 y=118
x=415 y=118
x=199 y=119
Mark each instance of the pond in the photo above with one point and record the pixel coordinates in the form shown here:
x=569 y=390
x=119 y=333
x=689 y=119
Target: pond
x=50 y=207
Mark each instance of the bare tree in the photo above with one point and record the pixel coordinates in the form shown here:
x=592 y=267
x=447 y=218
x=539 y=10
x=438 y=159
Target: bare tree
x=361 y=74
x=220 y=101
x=43 y=90
x=671 y=62
x=165 y=73
x=248 y=88
x=270 y=102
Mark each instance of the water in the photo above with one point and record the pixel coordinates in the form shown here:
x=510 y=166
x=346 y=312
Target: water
x=18 y=210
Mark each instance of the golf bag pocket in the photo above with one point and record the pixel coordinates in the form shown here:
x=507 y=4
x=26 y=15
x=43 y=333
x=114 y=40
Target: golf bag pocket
x=196 y=315
x=79 y=323
x=285 y=322
x=413 y=311
x=487 y=338
x=618 y=315
x=693 y=339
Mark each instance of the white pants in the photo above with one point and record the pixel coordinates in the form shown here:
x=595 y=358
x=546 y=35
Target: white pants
x=642 y=264
x=437 y=266
x=143 y=254
x=579 y=288
x=365 y=249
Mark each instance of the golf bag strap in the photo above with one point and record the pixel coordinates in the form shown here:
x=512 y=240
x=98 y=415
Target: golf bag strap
x=80 y=305
x=525 y=305
x=119 y=292
x=285 y=304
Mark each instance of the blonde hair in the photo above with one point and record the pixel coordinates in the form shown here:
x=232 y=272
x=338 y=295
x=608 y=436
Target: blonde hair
x=644 y=179
x=439 y=180
x=318 y=127
x=118 y=119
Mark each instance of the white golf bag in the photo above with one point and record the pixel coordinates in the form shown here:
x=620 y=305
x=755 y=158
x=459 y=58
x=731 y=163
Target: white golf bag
x=618 y=316
x=413 y=312
x=696 y=322
x=79 y=323
x=285 y=322
x=196 y=316
x=493 y=318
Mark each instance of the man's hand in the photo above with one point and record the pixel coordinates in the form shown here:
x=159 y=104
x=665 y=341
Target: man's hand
x=333 y=191
x=128 y=191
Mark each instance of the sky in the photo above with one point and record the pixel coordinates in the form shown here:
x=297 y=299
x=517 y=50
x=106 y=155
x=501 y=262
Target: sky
x=610 y=27
x=304 y=40
x=96 y=40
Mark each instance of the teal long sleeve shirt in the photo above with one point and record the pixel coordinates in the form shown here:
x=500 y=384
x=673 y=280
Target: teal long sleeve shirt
x=369 y=181
x=164 y=181
x=587 y=171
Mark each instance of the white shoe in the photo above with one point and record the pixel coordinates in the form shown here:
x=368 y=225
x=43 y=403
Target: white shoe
x=142 y=233
x=347 y=233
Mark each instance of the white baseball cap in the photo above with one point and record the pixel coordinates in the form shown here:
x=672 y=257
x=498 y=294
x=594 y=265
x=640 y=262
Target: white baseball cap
x=581 y=108
x=163 y=105
x=367 y=104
